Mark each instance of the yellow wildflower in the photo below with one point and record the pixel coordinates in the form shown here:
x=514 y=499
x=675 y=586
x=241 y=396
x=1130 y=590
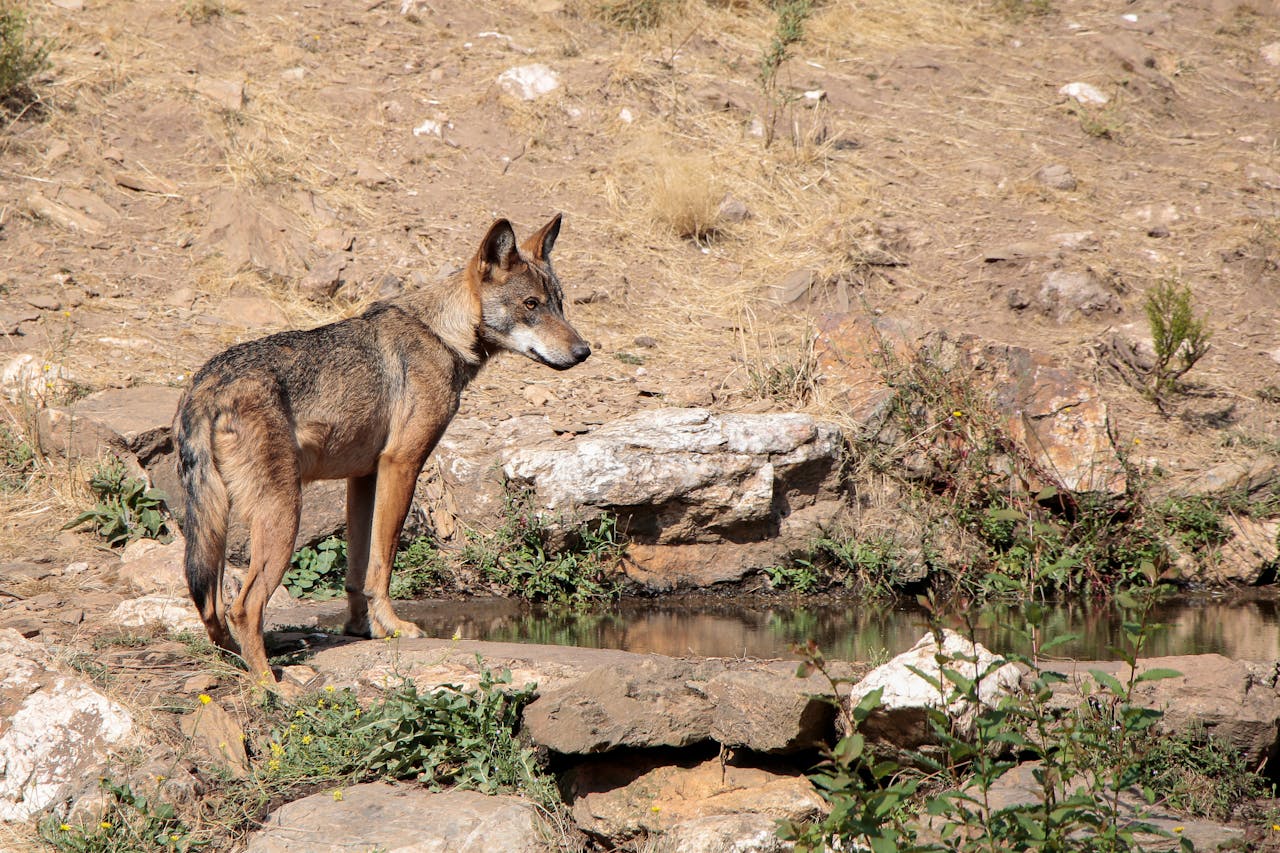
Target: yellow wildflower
x=205 y=698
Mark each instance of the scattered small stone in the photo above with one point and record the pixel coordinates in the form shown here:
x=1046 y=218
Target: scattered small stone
x=1158 y=231
x=529 y=82
x=228 y=94
x=371 y=174
x=62 y=215
x=1077 y=240
x=390 y=286
x=57 y=150
x=1017 y=300
x=732 y=210
x=145 y=183
x=251 y=312
x=430 y=127
x=646 y=341
x=201 y=682
x=1085 y=94
x=538 y=396
x=794 y=286
x=69 y=5
x=44 y=302
x=626 y=116
x=75 y=568
x=1271 y=53
x=814 y=97
x=293 y=74
x=1056 y=176
x=335 y=240
x=1064 y=293
x=324 y=279
x=1262 y=175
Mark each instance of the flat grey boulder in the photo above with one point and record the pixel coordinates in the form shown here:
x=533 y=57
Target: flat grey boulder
x=731 y=833
x=400 y=819
x=599 y=700
x=1235 y=701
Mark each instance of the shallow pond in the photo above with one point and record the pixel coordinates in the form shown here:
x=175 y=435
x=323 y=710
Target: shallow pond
x=1238 y=627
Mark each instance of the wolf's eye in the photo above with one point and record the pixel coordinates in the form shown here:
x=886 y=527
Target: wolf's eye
x=531 y=303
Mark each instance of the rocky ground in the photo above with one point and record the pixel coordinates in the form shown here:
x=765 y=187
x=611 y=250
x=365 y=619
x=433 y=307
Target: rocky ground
x=203 y=173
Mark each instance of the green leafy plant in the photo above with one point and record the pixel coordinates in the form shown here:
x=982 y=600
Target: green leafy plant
x=126 y=508
x=796 y=576
x=132 y=823
x=528 y=557
x=318 y=573
x=419 y=568
x=1178 y=336
x=22 y=57
x=445 y=736
x=1088 y=761
x=17 y=460
x=788 y=31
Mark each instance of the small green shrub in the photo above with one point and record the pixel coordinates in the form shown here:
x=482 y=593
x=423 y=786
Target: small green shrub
x=21 y=57
x=524 y=557
x=799 y=576
x=1178 y=336
x=1086 y=757
x=17 y=460
x=632 y=15
x=1198 y=774
x=131 y=823
x=420 y=568
x=126 y=509
x=876 y=567
x=318 y=573
x=788 y=31
x=1196 y=520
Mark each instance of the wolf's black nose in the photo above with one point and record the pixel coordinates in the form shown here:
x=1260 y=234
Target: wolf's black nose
x=581 y=351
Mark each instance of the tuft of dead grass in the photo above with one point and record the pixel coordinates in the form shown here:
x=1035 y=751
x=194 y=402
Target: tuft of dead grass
x=683 y=195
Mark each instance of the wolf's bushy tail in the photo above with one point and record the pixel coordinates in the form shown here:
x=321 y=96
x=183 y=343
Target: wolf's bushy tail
x=207 y=511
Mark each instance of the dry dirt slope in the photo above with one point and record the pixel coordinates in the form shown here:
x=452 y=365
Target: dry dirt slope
x=266 y=136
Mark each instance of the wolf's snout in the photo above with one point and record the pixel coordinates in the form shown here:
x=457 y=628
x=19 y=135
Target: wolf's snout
x=580 y=351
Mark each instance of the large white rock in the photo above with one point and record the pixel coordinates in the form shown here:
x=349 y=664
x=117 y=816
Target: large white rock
x=56 y=731
x=902 y=719
x=529 y=82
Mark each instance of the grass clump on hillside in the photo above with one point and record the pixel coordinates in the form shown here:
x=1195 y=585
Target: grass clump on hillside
x=1178 y=337
x=22 y=57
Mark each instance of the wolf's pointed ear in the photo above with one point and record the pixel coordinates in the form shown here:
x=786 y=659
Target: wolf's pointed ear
x=539 y=245
x=499 y=248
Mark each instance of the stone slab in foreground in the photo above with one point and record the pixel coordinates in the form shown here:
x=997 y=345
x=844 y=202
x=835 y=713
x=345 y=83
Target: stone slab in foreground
x=401 y=819
x=599 y=700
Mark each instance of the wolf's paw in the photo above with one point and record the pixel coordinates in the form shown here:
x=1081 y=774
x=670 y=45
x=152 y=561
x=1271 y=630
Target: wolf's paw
x=396 y=629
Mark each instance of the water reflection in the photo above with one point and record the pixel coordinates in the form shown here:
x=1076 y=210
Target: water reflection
x=767 y=628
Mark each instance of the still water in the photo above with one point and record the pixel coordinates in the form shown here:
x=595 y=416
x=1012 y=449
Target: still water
x=1238 y=627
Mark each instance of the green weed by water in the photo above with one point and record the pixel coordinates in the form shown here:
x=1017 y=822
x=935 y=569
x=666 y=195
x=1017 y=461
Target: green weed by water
x=527 y=557
x=1086 y=759
x=320 y=573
